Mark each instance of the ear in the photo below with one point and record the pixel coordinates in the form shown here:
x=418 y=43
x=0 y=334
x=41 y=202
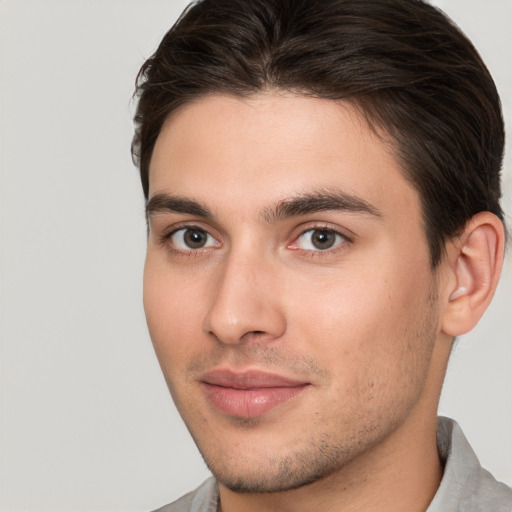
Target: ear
x=474 y=262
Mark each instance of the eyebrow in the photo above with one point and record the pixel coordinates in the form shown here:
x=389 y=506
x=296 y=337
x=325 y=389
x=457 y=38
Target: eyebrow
x=303 y=204
x=318 y=201
x=165 y=203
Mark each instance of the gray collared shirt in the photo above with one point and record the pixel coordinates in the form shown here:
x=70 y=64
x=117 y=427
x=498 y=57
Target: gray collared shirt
x=465 y=486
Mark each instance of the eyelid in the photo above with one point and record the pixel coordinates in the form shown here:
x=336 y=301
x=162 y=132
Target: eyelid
x=188 y=224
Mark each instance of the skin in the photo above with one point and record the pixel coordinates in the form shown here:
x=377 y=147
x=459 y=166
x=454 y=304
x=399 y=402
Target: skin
x=361 y=322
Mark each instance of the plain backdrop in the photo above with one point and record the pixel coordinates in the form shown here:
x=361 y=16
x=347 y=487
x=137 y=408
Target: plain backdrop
x=86 y=423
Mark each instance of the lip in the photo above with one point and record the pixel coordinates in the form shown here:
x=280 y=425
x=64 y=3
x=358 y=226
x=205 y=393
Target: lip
x=249 y=394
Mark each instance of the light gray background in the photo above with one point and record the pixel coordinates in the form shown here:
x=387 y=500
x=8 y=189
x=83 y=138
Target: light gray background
x=86 y=423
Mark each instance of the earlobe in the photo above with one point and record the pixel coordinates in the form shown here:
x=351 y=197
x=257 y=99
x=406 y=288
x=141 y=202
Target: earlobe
x=475 y=262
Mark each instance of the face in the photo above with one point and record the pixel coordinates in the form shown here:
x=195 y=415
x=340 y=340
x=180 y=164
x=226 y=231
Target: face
x=287 y=288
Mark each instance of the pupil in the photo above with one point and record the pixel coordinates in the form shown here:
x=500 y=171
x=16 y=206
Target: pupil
x=195 y=238
x=323 y=239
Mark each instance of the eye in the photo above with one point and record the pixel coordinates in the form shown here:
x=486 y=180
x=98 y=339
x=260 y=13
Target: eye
x=192 y=238
x=319 y=240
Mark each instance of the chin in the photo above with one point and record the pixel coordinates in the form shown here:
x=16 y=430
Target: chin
x=277 y=473
x=280 y=483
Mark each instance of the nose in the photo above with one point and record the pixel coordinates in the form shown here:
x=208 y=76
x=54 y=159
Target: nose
x=245 y=302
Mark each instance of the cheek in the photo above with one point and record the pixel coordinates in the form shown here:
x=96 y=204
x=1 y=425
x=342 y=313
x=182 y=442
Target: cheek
x=173 y=312
x=364 y=326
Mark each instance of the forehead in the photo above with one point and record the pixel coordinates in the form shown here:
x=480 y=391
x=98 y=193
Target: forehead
x=269 y=147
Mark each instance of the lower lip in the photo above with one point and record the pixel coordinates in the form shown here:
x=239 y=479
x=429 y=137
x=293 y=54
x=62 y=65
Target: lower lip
x=250 y=403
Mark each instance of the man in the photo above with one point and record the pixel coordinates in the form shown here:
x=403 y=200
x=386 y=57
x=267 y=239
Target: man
x=322 y=185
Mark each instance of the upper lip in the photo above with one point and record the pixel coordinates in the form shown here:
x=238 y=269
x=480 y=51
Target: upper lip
x=248 y=379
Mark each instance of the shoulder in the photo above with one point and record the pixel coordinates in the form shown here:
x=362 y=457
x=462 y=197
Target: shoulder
x=465 y=486
x=489 y=494
x=203 y=499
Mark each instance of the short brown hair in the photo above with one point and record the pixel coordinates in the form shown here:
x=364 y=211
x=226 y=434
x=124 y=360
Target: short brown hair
x=402 y=62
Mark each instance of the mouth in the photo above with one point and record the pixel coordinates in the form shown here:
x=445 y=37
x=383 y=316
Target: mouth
x=249 y=394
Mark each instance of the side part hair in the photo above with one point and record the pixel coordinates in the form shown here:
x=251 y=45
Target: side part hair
x=403 y=63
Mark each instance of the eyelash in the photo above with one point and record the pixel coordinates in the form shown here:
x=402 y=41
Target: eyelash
x=166 y=237
x=346 y=241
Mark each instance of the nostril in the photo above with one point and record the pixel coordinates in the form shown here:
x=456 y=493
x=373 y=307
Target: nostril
x=255 y=335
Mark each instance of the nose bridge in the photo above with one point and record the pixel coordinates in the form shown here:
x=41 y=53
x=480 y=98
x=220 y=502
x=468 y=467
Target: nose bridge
x=245 y=300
